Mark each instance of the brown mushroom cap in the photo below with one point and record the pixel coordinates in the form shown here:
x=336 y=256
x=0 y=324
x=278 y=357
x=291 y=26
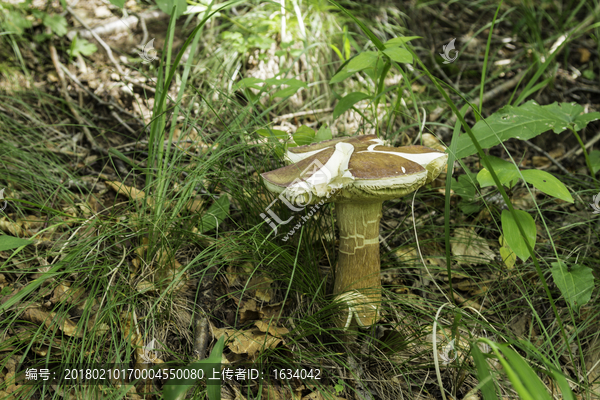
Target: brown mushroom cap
x=355 y=169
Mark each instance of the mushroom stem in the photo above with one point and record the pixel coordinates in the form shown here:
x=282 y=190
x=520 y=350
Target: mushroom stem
x=358 y=261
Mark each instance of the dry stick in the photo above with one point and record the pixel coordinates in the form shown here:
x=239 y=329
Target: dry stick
x=95 y=35
x=554 y=161
x=121 y=25
x=65 y=93
x=98 y=99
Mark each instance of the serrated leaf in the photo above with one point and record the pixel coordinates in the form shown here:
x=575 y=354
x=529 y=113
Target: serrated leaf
x=273 y=133
x=216 y=213
x=11 y=242
x=81 y=46
x=16 y=22
x=347 y=102
x=57 y=23
x=304 y=135
x=398 y=41
x=576 y=283
x=166 y=6
x=366 y=59
x=513 y=237
x=507 y=173
x=399 y=55
x=249 y=83
x=547 y=183
x=523 y=122
x=324 y=133
x=176 y=389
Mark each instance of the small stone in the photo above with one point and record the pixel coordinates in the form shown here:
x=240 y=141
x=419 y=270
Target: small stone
x=102 y=12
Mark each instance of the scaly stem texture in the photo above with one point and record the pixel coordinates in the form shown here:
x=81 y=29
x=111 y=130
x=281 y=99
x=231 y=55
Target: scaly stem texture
x=358 y=261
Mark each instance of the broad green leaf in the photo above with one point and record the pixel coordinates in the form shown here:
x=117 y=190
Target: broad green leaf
x=118 y=3
x=290 y=82
x=216 y=213
x=324 y=133
x=595 y=160
x=464 y=187
x=273 y=133
x=548 y=184
x=176 y=389
x=348 y=102
x=286 y=92
x=304 y=135
x=513 y=237
x=11 y=242
x=16 y=22
x=57 y=23
x=399 y=55
x=366 y=59
x=398 y=41
x=576 y=283
x=81 y=46
x=340 y=76
x=523 y=122
x=166 y=6
x=249 y=83
x=507 y=172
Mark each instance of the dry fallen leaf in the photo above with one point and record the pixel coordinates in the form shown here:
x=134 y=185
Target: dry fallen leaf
x=38 y=315
x=129 y=191
x=247 y=341
x=270 y=328
x=468 y=247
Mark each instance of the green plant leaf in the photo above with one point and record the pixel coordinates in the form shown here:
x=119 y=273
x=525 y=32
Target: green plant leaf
x=57 y=23
x=290 y=82
x=513 y=237
x=464 y=187
x=15 y=21
x=483 y=374
x=527 y=375
x=340 y=76
x=595 y=160
x=399 y=55
x=348 y=102
x=304 y=135
x=507 y=172
x=324 y=133
x=81 y=46
x=547 y=183
x=249 y=83
x=366 y=59
x=576 y=283
x=398 y=41
x=273 y=133
x=118 y=3
x=216 y=213
x=524 y=122
x=11 y=242
x=286 y=92
x=176 y=389
x=166 y=6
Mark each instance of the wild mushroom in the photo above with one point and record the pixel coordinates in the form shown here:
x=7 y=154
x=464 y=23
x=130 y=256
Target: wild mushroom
x=357 y=174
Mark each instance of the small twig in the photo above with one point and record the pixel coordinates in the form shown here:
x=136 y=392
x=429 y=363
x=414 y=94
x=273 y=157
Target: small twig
x=301 y=114
x=200 y=335
x=114 y=114
x=113 y=273
x=578 y=150
x=547 y=155
x=95 y=35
